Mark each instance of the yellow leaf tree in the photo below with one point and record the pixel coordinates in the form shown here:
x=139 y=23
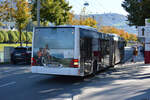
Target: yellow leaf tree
x=21 y=15
x=82 y=21
x=120 y=32
x=4 y=11
x=133 y=37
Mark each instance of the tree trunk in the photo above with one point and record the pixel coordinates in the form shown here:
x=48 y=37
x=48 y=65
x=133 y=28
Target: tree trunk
x=20 y=37
x=26 y=36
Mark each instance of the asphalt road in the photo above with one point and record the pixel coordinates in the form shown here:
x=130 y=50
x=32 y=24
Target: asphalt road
x=18 y=83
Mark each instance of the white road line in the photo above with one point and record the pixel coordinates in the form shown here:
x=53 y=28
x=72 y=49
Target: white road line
x=62 y=99
x=11 y=83
x=7 y=71
x=11 y=70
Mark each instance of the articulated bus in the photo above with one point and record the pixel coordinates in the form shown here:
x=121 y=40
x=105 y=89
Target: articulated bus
x=74 y=50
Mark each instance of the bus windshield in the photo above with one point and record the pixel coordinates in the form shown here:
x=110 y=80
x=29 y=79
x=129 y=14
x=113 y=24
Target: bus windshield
x=55 y=38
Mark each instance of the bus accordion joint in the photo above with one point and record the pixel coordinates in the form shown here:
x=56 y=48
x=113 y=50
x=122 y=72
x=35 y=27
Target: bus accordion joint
x=75 y=63
x=33 y=61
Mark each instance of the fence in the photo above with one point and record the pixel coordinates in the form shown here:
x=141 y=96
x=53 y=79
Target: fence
x=5 y=55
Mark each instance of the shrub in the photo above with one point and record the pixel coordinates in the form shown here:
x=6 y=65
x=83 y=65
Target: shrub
x=6 y=37
x=1 y=37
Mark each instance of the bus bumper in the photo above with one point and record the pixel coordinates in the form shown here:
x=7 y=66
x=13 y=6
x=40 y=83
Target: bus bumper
x=56 y=71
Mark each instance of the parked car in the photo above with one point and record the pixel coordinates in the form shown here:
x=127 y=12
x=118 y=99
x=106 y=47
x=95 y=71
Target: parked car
x=21 y=55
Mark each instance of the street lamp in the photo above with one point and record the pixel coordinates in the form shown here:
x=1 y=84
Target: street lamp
x=86 y=4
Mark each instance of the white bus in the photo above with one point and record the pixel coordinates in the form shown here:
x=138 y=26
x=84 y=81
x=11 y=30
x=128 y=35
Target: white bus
x=74 y=50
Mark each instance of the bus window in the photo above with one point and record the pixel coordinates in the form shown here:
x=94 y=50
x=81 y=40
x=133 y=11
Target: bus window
x=54 y=45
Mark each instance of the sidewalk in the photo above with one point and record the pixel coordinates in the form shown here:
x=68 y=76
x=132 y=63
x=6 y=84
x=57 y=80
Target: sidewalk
x=130 y=81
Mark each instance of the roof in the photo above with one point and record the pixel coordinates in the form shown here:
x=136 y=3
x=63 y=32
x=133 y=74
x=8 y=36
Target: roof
x=74 y=26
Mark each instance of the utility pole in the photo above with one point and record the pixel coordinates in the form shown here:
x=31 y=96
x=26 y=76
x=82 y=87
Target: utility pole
x=11 y=11
x=38 y=12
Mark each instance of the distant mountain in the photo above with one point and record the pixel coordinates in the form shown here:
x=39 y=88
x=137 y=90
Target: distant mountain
x=113 y=19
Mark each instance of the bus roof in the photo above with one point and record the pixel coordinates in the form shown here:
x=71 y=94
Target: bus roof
x=72 y=26
x=104 y=35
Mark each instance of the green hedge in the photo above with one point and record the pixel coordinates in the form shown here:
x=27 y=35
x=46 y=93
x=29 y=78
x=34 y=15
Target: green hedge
x=14 y=36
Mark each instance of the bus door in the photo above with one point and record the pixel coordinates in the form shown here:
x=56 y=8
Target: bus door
x=100 y=53
x=112 y=52
x=86 y=54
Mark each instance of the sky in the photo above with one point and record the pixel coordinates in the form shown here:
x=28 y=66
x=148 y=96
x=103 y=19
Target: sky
x=98 y=6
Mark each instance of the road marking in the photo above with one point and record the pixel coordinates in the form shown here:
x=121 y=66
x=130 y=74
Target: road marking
x=11 y=83
x=61 y=99
x=12 y=70
x=7 y=71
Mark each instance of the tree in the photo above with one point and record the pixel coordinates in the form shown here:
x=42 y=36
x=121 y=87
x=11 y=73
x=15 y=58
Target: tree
x=110 y=29
x=133 y=37
x=12 y=37
x=1 y=37
x=5 y=10
x=17 y=35
x=1 y=24
x=30 y=36
x=23 y=36
x=89 y=22
x=82 y=21
x=21 y=15
x=138 y=11
x=6 y=37
x=54 y=11
x=120 y=32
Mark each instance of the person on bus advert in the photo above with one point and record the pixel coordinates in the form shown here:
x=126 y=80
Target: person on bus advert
x=135 y=53
x=39 y=54
x=46 y=53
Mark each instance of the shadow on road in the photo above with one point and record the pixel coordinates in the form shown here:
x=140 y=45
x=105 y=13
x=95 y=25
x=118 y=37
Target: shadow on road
x=63 y=87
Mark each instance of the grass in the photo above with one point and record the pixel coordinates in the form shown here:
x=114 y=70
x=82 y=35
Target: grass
x=11 y=45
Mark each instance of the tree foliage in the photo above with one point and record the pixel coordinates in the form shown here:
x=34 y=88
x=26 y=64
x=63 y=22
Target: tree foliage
x=30 y=37
x=138 y=11
x=11 y=36
x=22 y=15
x=23 y=36
x=82 y=21
x=16 y=34
x=1 y=37
x=6 y=37
x=5 y=10
x=1 y=24
x=120 y=32
x=54 y=11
